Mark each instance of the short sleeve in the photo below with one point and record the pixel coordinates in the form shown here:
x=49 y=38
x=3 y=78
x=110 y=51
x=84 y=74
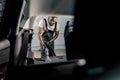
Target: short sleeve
x=39 y=22
x=58 y=27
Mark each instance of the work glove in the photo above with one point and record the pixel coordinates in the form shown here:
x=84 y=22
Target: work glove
x=44 y=46
x=48 y=43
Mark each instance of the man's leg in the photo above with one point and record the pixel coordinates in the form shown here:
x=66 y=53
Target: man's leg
x=43 y=53
x=50 y=47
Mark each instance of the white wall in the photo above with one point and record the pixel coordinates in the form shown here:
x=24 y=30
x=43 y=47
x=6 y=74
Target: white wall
x=59 y=43
x=65 y=7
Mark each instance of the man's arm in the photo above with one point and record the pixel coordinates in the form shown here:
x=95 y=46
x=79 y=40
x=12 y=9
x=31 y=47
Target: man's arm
x=40 y=35
x=55 y=36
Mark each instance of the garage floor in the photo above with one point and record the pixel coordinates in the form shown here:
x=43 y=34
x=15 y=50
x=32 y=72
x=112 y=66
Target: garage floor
x=60 y=56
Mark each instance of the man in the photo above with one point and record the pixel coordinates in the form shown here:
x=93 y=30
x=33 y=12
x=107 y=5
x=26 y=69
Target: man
x=48 y=32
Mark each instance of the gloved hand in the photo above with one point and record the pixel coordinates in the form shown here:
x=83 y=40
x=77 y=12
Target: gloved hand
x=44 y=46
x=48 y=42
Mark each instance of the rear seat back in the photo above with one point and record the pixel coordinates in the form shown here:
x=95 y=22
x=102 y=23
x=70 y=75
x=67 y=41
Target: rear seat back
x=18 y=45
x=23 y=42
x=23 y=47
x=4 y=54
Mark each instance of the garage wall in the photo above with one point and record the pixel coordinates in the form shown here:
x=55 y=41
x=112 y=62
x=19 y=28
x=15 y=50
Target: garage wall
x=51 y=7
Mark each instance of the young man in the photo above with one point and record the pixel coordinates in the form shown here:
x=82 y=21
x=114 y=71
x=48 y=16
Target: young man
x=48 y=32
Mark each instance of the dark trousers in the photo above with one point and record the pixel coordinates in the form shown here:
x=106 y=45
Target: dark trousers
x=50 y=47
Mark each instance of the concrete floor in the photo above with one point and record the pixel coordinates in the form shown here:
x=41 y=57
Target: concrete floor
x=59 y=52
x=60 y=57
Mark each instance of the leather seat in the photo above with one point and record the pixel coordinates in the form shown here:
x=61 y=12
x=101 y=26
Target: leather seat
x=4 y=55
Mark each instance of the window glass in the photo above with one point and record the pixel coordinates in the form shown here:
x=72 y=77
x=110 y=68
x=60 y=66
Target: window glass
x=2 y=6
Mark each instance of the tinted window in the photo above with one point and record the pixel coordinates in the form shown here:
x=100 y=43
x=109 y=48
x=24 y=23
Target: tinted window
x=2 y=5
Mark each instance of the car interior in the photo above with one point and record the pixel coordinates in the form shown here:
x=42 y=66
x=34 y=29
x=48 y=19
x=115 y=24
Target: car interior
x=78 y=55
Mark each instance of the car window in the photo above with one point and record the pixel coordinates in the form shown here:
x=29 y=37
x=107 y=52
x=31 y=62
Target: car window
x=2 y=6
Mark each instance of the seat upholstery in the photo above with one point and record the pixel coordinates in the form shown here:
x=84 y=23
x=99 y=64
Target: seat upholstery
x=4 y=50
x=4 y=54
